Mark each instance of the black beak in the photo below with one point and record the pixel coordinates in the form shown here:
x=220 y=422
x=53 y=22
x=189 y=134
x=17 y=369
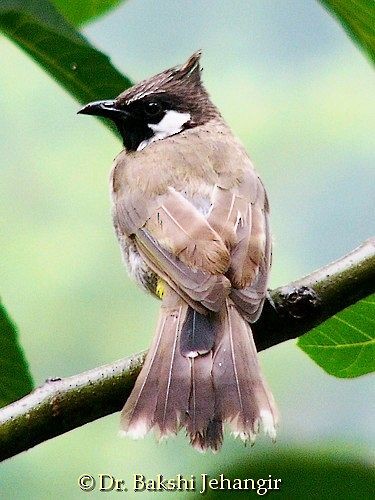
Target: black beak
x=107 y=109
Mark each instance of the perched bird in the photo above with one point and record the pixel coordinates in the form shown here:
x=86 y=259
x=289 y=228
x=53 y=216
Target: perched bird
x=191 y=217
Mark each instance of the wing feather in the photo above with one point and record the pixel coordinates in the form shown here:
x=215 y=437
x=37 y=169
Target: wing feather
x=201 y=256
x=173 y=250
x=178 y=226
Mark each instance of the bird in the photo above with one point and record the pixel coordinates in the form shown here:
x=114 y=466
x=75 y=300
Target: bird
x=191 y=216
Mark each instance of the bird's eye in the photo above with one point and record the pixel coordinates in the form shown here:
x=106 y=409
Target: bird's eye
x=153 y=108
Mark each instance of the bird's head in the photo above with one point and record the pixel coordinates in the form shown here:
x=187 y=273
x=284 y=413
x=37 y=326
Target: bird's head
x=159 y=107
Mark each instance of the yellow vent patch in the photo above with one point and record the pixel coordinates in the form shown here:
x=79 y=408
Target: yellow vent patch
x=160 y=288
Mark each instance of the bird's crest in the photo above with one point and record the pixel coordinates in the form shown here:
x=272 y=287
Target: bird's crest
x=185 y=77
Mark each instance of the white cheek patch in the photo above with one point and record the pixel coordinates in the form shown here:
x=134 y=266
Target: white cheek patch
x=171 y=124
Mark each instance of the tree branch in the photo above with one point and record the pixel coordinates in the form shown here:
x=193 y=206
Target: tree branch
x=64 y=404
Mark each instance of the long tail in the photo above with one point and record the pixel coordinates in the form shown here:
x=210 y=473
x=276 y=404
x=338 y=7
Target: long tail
x=200 y=372
x=242 y=397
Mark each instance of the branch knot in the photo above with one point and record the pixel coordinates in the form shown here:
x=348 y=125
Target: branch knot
x=298 y=302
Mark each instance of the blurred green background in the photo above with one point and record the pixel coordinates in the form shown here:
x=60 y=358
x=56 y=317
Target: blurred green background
x=301 y=97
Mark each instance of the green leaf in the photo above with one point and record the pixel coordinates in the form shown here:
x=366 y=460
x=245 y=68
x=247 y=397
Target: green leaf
x=86 y=10
x=344 y=345
x=309 y=473
x=15 y=378
x=39 y=29
x=358 y=19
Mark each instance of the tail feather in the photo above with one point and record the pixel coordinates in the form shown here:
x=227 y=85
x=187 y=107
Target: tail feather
x=181 y=386
x=136 y=415
x=201 y=401
x=161 y=392
x=242 y=397
x=197 y=335
x=174 y=384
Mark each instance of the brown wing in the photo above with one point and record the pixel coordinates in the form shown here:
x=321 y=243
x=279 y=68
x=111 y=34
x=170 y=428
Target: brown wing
x=178 y=243
x=240 y=216
x=178 y=226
